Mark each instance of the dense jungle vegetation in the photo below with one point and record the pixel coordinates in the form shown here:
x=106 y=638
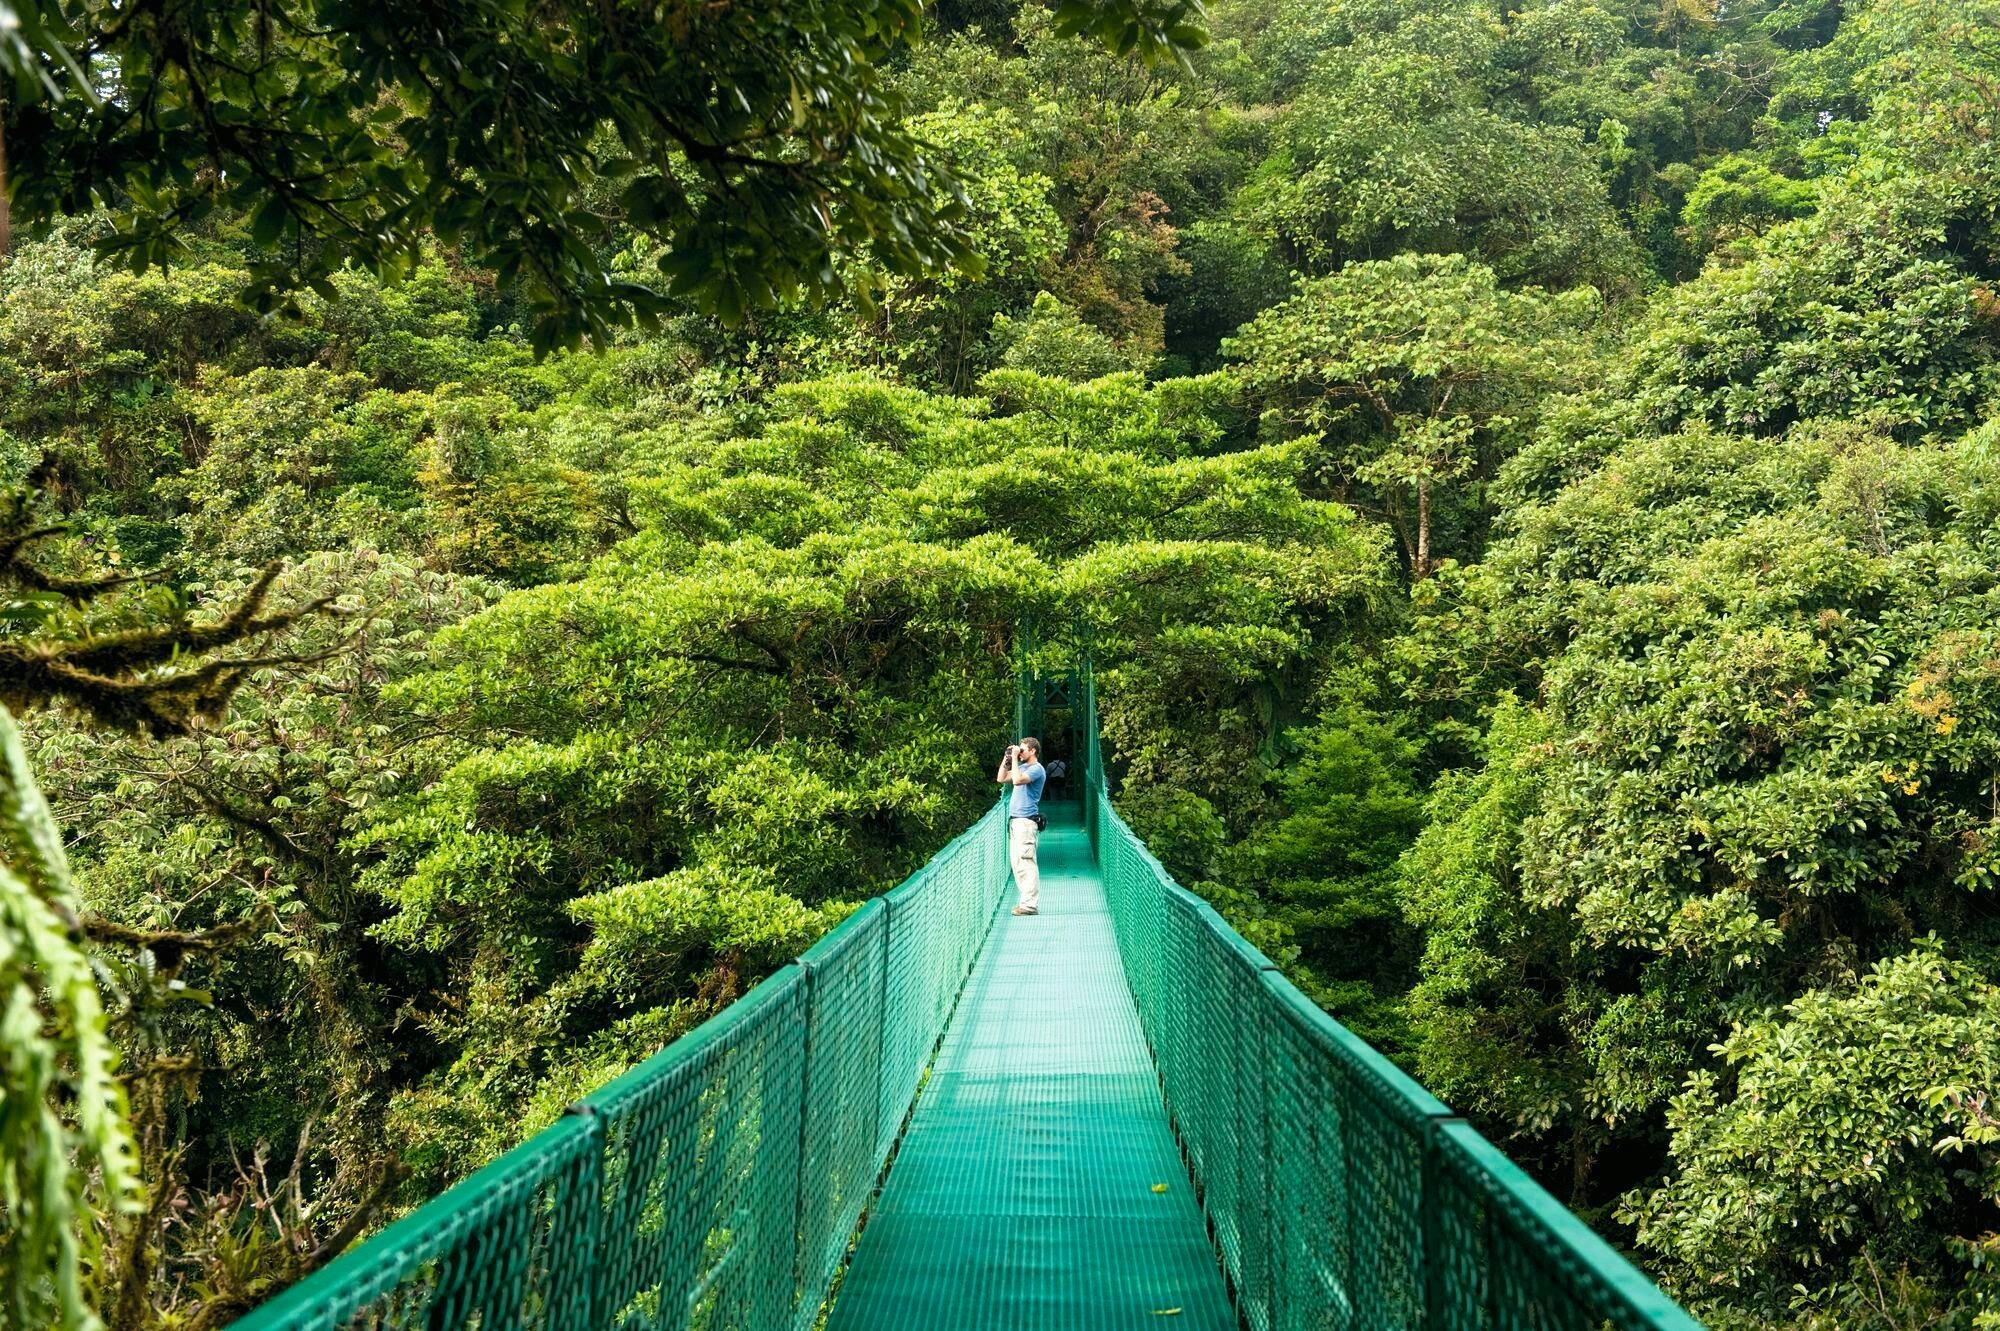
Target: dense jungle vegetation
x=1528 y=474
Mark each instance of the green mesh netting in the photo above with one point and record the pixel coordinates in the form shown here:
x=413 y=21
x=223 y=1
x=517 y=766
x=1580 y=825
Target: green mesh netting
x=718 y=1185
x=1339 y=1192
x=1038 y=1184
x=505 y=1249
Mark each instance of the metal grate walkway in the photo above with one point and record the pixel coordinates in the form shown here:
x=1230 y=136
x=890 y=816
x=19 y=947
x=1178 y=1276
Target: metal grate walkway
x=1038 y=1187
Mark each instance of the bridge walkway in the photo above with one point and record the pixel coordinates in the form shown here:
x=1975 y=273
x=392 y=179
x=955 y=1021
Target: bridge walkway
x=1038 y=1187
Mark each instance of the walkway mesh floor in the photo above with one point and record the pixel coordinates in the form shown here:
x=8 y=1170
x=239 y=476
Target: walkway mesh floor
x=1023 y=1197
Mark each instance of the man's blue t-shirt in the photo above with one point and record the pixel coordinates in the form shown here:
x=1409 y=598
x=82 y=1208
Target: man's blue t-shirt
x=1027 y=799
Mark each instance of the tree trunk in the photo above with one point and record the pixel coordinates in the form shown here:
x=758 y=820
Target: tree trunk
x=1423 y=560
x=6 y=209
x=1582 y=1157
x=1399 y=522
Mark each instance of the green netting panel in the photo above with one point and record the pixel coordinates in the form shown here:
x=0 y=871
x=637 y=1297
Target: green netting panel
x=506 y=1250
x=701 y=1171
x=1135 y=888
x=1350 y=1130
x=1339 y=1193
x=1214 y=1080
x=909 y=999
x=1517 y=1259
x=713 y=1187
x=936 y=923
x=1023 y=1197
x=840 y=1156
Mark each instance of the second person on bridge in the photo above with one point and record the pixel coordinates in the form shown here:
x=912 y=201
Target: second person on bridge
x=1022 y=769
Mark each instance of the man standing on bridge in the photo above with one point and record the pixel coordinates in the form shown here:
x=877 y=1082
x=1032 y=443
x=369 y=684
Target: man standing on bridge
x=1022 y=769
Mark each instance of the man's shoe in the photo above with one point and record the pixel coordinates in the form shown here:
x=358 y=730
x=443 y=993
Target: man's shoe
x=1026 y=910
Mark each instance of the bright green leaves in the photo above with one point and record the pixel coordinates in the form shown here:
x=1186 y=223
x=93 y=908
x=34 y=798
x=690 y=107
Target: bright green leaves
x=65 y=1144
x=1120 y=413
x=1324 y=870
x=1857 y=309
x=1052 y=340
x=1740 y=196
x=35 y=44
x=1764 y=758
x=662 y=777
x=1412 y=374
x=1500 y=976
x=287 y=447
x=1682 y=902
x=1844 y=1138
x=1755 y=720
x=642 y=934
x=1396 y=140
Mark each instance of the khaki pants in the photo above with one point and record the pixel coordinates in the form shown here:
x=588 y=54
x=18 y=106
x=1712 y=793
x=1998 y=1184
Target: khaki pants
x=1021 y=836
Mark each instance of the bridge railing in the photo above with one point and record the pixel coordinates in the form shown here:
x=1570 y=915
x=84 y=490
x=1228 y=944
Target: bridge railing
x=1340 y=1192
x=717 y=1183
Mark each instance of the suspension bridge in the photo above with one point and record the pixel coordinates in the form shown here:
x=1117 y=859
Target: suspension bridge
x=942 y=1117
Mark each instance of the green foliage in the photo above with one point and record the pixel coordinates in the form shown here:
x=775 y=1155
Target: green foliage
x=1864 y=306
x=74 y=634
x=770 y=703
x=931 y=328
x=260 y=1006
x=1766 y=681
x=1231 y=275
x=1413 y=375
x=1051 y=340
x=1131 y=153
x=1767 y=765
x=1649 y=819
x=756 y=146
x=1682 y=916
x=1785 y=1171
x=641 y=931
x=1182 y=829
x=1741 y=196
x=1151 y=29
x=1392 y=141
x=1490 y=1008
x=294 y=458
x=62 y=1110
x=1324 y=867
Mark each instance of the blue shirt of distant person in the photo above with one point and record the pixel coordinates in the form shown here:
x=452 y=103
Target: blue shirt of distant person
x=1022 y=769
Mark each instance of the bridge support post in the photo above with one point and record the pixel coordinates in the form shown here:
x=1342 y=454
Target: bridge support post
x=576 y=1300
x=1442 y=1295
